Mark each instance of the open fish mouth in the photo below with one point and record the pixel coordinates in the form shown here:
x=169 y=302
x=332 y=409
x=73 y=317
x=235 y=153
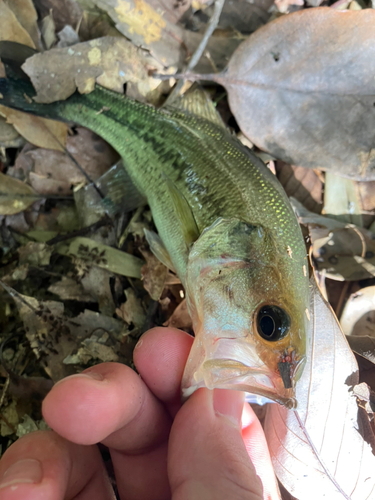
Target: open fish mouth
x=240 y=369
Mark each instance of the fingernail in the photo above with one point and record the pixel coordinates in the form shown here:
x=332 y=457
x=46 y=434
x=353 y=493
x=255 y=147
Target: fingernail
x=138 y=344
x=229 y=404
x=24 y=471
x=86 y=375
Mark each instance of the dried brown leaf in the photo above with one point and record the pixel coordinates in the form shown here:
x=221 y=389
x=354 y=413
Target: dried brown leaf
x=27 y=16
x=15 y=196
x=143 y=22
x=132 y=311
x=11 y=29
x=286 y=90
x=53 y=172
x=41 y=132
x=180 y=317
x=154 y=274
x=301 y=183
x=108 y=61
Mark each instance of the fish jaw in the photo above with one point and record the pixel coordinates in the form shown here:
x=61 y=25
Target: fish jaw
x=232 y=363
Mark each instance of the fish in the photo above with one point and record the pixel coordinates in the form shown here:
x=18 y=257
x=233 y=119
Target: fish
x=224 y=225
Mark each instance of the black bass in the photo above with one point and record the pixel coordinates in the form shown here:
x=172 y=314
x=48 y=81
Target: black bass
x=225 y=226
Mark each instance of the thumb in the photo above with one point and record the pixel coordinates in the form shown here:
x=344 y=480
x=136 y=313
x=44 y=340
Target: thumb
x=207 y=457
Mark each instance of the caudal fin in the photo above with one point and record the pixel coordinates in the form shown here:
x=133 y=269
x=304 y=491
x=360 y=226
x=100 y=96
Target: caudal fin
x=18 y=94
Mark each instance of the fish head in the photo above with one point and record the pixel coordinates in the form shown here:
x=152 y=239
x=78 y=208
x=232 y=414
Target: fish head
x=249 y=313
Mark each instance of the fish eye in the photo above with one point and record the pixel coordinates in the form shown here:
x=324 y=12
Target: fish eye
x=273 y=323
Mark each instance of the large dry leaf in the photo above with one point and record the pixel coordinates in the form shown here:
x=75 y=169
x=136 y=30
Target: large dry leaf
x=11 y=29
x=145 y=24
x=301 y=183
x=109 y=61
x=53 y=172
x=41 y=132
x=330 y=454
x=27 y=16
x=303 y=89
x=15 y=196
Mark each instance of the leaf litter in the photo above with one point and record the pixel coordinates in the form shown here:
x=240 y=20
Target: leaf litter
x=79 y=284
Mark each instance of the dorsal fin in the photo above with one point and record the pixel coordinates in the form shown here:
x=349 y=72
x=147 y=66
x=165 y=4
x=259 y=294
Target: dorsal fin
x=196 y=102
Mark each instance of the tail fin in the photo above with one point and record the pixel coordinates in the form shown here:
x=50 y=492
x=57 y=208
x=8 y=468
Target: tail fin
x=18 y=94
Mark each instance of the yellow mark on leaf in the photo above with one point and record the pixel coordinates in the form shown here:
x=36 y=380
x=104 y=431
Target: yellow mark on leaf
x=95 y=56
x=142 y=19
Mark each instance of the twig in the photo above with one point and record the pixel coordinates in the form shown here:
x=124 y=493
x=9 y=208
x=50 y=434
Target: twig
x=211 y=26
x=14 y=294
x=80 y=232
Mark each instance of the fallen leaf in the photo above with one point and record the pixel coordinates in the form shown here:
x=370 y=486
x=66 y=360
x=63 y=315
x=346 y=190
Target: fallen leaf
x=15 y=196
x=68 y=289
x=180 y=318
x=48 y=30
x=318 y=451
x=42 y=132
x=301 y=183
x=92 y=350
x=108 y=61
x=35 y=254
x=154 y=274
x=97 y=254
x=9 y=137
x=363 y=345
x=27 y=16
x=10 y=28
x=54 y=173
x=342 y=251
x=10 y=420
x=341 y=199
x=358 y=315
x=131 y=311
x=143 y=22
x=286 y=93
x=244 y=16
x=64 y=11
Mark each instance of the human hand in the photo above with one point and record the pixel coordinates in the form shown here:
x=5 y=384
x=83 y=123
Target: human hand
x=159 y=449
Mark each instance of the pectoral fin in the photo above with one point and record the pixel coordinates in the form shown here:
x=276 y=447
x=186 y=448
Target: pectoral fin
x=183 y=213
x=157 y=247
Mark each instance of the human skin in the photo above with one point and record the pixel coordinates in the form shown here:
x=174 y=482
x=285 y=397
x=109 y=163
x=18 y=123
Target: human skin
x=160 y=450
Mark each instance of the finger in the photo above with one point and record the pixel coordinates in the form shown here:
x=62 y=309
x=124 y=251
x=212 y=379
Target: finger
x=107 y=403
x=160 y=357
x=207 y=456
x=119 y=410
x=256 y=446
x=42 y=465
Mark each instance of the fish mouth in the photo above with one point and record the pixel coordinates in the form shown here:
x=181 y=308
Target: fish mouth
x=240 y=369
